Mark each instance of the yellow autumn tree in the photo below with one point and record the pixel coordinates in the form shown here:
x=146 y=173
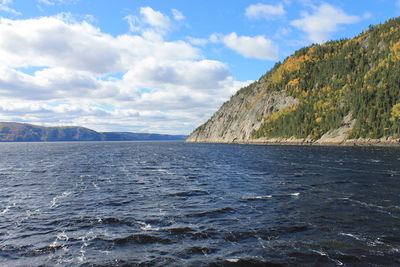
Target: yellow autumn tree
x=395 y=112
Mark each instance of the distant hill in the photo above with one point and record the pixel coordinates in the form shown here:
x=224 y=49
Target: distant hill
x=23 y=132
x=333 y=92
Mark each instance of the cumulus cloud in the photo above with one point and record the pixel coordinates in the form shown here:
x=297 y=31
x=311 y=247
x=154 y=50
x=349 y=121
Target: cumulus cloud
x=5 y=6
x=50 y=41
x=177 y=14
x=149 y=22
x=262 y=11
x=324 y=21
x=155 y=18
x=46 y=2
x=257 y=47
x=58 y=71
x=53 y=2
x=198 y=41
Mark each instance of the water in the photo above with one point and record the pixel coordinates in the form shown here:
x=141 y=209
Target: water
x=177 y=204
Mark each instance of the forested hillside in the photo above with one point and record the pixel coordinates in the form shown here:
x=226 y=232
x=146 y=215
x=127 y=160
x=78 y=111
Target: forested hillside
x=347 y=83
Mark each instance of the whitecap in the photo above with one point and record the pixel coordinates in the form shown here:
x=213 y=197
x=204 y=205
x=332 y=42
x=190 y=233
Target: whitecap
x=352 y=236
x=62 y=236
x=259 y=197
x=85 y=176
x=319 y=252
x=324 y=254
x=95 y=186
x=6 y=209
x=147 y=227
x=57 y=198
x=375 y=160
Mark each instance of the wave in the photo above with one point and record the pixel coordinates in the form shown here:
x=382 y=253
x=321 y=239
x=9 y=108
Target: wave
x=189 y=193
x=258 y=197
x=212 y=213
x=296 y=194
x=197 y=250
x=45 y=250
x=56 y=199
x=137 y=239
x=246 y=262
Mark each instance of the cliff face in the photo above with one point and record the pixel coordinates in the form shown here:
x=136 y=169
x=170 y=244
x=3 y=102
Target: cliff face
x=341 y=90
x=242 y=115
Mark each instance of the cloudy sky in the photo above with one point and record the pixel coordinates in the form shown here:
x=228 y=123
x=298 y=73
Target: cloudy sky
x=154 y=65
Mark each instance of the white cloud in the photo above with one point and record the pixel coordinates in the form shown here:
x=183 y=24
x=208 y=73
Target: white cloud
x=133 y=22
x=198 y=41
x=150 y=22
x=155 y=18
x=132 y=82
x=251 y=47
x=216 y=37
x=324 y=21
x=398 y=3
x=5 y=6
x=53 y=2
x=52 y=42
x=177 y=14
x=261 y=11
x=46 y=2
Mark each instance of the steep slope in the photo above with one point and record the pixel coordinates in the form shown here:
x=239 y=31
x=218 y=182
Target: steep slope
x=331 y=92
x=22 y=132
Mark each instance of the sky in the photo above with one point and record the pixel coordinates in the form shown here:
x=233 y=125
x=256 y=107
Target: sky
x=159 y=66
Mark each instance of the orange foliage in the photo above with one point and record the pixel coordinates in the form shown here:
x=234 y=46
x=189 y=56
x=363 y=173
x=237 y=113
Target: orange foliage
x=294 y=82
x=396 y=49
x=291 y=64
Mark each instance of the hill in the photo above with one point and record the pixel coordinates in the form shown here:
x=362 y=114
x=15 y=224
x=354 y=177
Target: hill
x=334 y=92
x=22 y=132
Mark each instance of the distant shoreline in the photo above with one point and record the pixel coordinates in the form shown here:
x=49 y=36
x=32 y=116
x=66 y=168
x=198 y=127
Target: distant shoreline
x=94 y=141
x=306 y=142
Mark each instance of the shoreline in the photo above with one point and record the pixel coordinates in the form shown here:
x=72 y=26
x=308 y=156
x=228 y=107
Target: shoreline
x=307 y=142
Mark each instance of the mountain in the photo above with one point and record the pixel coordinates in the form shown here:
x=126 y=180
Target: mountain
x=23 y=132
x=346 y=90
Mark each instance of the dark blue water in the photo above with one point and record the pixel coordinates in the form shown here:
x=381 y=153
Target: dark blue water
x=176 y=204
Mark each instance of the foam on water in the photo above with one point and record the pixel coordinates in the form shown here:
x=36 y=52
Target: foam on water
x=56 y=200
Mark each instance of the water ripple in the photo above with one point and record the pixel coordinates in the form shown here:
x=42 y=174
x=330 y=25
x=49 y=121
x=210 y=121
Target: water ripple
x=176 y=204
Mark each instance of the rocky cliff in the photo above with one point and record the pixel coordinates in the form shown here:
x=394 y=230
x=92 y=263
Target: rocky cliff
x=341 y=91
x=242 y=115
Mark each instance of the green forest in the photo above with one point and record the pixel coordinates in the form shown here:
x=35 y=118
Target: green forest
x=359 y=76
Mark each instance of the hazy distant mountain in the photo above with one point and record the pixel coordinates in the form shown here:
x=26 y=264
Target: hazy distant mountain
x=23 y=132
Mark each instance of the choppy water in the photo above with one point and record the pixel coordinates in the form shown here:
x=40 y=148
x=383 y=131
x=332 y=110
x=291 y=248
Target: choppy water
x=176 y=204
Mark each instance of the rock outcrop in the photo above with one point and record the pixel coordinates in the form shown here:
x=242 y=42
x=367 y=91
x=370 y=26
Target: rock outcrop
x=243 y=114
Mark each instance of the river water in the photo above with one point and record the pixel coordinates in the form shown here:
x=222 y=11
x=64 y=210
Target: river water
x=178 y=204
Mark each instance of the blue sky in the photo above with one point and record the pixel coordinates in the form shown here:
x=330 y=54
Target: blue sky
x=154 y=65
